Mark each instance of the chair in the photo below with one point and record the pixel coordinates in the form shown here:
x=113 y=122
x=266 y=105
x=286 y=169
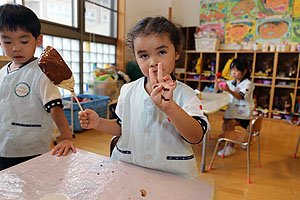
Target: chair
x=113 y=143
x=242 y=138
x=294 y=156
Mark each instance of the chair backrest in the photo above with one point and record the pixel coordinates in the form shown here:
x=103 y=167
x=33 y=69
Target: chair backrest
x=113 y=143
x=256 y=125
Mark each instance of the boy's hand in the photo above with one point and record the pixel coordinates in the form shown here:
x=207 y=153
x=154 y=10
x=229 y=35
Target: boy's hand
x=88 y=119
x=64 y=147
x=162 y=88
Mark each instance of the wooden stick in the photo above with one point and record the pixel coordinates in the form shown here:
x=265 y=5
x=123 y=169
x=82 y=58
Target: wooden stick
x=73 y=93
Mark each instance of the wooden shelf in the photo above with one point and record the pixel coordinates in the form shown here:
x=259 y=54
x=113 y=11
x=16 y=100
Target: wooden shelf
x=219 y=58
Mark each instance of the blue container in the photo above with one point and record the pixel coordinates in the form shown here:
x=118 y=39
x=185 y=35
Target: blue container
x=97 y=103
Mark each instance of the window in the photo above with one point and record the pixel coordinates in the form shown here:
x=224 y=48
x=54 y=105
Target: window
x=69 y=50
x=96 y=55
x=97 y=40
x=58 y=11
x=10 y=1
x=101 y=17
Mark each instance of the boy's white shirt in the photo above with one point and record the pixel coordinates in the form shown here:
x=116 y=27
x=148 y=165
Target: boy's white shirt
x=240 y=109
x=24 y=92
x=149 y=136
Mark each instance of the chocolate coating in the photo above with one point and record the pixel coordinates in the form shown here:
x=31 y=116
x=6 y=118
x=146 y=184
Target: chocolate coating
x=53 y=65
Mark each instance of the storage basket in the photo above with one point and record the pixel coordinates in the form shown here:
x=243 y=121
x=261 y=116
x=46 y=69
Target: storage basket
x=207 y=44
x=98 y=104
x=105 y=88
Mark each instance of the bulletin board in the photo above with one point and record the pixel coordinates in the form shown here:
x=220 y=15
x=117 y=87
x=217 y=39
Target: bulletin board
x=296 y=10
x=217 y=27
x=238 y=32
x=253 y=20
x=273 y=30
x=241 y=9
x=274 y=8
x=213 y=11
x=296 y=30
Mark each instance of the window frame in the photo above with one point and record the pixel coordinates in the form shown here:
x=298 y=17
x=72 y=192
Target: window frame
x=79 y=33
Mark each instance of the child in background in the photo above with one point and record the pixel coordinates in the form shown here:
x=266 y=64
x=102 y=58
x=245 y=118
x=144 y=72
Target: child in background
x=158 y=117
x=241 y=106
x=28 y=100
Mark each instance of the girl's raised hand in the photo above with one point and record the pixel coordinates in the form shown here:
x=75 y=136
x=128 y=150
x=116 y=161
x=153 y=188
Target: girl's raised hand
x=162 y=88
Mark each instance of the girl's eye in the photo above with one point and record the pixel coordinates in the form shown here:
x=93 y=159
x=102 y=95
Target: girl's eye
x=162 y=52
x=24 y=42
x=143 y=56
x=7 y=42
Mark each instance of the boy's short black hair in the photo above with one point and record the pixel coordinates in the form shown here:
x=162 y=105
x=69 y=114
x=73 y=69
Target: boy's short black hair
x=15 y=16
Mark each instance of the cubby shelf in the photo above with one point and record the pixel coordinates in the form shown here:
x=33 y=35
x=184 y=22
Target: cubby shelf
x=271 y=89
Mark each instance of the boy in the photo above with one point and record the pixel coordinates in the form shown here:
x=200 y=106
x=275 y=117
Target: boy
x=28 y=100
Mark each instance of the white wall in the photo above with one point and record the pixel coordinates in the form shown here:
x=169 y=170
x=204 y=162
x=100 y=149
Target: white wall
x=137 y=9
x=184 y=13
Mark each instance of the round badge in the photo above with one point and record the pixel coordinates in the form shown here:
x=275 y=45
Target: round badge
x=22 y=89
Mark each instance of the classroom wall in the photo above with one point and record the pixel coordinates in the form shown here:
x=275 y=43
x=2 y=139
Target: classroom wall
x=184 y=13
x=138 y=9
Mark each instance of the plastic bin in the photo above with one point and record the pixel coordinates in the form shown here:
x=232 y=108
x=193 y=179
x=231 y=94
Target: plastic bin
x=105 y=88
x=98 y=104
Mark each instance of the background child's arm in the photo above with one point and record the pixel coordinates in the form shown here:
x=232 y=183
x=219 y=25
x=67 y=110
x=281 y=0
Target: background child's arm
x=89 y=119
x=233 y=93
x=62 y=124
x=216 y=86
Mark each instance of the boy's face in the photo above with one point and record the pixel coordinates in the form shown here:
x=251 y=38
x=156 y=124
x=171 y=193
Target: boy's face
x=153 y=49
x=19 y=45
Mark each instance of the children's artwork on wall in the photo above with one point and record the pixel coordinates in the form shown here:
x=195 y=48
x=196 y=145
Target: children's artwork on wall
x=296 y=30
x=212 y=11
x=238 y=32
x=273 y=30
x=241 y=9
x=274 y=8
x=218 y=28
x=296 y=10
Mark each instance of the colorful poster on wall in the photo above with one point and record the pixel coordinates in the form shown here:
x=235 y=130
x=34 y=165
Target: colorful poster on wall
x=296 y=10
x=238 y=32
x=273 y=30
x=296 y=30
x=274 y=8
x=218 y=28
x=212 y=11
x=241 y=9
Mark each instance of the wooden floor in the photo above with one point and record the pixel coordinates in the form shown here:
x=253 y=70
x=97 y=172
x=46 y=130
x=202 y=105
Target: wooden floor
x=277 y=179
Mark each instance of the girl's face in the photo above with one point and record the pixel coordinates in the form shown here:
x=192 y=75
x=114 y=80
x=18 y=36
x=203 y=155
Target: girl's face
x=237 y=74
x=153 y=49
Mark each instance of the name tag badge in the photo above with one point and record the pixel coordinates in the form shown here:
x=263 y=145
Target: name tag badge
x=22 y=89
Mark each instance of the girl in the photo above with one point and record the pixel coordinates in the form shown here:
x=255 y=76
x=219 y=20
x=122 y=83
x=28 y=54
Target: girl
x=158 y=117
x=241 y=106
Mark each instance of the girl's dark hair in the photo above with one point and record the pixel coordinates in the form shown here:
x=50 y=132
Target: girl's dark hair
x=14 y=16
x=241 y=65
x=156 y=25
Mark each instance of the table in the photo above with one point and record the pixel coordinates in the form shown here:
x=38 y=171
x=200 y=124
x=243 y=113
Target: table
x=85 y=175
x=211 y=103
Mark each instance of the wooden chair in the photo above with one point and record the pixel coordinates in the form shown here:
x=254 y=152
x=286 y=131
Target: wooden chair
x=242 y=138
x=113 y=143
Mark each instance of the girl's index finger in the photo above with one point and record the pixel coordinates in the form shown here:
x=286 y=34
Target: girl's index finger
x=152 y=78
x=160 y=73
